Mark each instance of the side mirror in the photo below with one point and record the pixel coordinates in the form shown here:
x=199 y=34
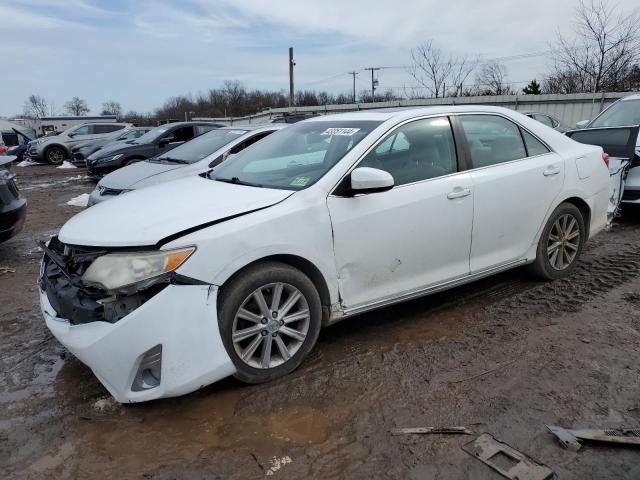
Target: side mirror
x=371 y=180
x=71 y=135
x=582 y=123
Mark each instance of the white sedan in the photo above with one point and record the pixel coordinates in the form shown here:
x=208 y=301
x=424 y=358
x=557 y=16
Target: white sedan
x=175 y=286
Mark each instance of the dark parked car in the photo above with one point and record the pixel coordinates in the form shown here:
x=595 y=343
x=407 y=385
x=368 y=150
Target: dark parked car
x=13 y=208
x=548 y=120
x=156 y=141
x=81 y=152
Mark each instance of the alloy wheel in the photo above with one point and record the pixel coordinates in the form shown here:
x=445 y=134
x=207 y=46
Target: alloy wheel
x=563 y=242
x=55 y=156
x=271 y=325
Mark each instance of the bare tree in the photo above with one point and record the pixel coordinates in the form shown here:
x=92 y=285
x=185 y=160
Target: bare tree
x=112 y=107
x=603 y=51
x=35 y=106
x=77 y=106
x=430 y=67
x=438 y=72
x=462 y=69
x=492 y=79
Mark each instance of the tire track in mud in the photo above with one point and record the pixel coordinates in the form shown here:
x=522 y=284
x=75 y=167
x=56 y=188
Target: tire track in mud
x=597 y=273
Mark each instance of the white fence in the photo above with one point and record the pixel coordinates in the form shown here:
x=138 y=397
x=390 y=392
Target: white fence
x=570 y=108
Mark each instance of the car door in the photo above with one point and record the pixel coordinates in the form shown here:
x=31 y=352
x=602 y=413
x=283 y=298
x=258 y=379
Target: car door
x=417 y=234
x=515 y=181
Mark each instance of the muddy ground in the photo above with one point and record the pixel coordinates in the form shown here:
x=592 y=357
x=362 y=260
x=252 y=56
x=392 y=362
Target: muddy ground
x=505 y=355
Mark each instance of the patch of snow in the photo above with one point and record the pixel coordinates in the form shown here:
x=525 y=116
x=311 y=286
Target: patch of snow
x=26 y=163
x=66 y=166
x=79 y=201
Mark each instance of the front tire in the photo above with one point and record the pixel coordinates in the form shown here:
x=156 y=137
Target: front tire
x=55 y=155
x=560 y=244
x=270 y=317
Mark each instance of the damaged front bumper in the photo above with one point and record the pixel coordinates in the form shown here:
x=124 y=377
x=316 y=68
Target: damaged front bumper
x=160 y=342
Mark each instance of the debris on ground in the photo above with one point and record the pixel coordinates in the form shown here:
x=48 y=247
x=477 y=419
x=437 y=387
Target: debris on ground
x=570 y=438
x=277 y=464
x=506 y=460
x=7 y=270
x=434 y=430
x=79 y=201
x=66 y=166
x=105 y=405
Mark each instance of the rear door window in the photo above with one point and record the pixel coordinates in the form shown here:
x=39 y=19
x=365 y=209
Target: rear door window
x=182 y=134
x=492 y=139
x=416 y=151
x=534 y=146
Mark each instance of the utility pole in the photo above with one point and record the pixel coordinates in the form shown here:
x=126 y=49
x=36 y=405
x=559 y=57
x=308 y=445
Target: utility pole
x=291 y=65
x=374 y=82
x=354 y=85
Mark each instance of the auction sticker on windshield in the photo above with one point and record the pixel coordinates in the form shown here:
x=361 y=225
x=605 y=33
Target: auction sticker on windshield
x=345 y=132
x=300 y=181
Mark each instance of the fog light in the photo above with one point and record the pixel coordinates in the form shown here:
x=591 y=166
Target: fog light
x=149 y=371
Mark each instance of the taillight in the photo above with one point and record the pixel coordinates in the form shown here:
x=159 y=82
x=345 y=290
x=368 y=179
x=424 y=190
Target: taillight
x=3 y=149
x=605 y=159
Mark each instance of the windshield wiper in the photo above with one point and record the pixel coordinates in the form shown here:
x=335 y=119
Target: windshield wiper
x=173 y=160
x=237 y=181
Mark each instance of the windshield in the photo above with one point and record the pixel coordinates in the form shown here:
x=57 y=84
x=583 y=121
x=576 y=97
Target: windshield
x=296 y=157
x=203 y=146
x=620 y=114
x=152 y=134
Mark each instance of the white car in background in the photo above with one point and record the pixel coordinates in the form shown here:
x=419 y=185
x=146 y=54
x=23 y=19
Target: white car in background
x=194 y=157
x=175 y=286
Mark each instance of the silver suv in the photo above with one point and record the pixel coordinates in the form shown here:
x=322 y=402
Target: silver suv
x=56 y=149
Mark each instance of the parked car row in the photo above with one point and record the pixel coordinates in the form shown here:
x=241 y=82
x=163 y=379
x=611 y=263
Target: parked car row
x=244 y=242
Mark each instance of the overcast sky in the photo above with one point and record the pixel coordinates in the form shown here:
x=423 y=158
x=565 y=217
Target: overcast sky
x=140 y=52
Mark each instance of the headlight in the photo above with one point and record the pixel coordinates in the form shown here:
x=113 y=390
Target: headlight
x=117 y=270
x=116 y=157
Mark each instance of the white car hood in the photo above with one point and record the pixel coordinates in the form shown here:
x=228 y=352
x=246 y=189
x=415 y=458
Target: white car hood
x=126 y=177
x=146 y=216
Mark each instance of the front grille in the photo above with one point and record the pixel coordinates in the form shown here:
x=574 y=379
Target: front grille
x=631 y=195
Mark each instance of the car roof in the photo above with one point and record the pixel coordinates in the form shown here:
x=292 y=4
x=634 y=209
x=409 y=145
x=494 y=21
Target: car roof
x=251 y=128
x=177 y=124
x=400 y=113
x=631 y=97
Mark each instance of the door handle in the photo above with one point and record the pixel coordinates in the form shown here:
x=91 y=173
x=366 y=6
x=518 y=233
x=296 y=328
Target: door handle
x=551 y=170
x=459 y=193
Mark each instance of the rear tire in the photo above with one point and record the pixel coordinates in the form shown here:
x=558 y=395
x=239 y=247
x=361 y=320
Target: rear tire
x=269 y=339
x=560 y=244
x=55 y=155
